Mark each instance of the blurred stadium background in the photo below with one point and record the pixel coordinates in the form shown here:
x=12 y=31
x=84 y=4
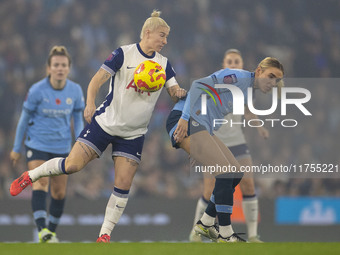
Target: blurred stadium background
x=303 y=34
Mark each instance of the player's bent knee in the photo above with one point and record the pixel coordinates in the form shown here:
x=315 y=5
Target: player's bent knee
x=122 y=183
x=59 y=195
x=72 y=168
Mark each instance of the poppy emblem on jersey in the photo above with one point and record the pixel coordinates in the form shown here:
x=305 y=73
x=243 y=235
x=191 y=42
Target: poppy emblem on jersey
x=230 y=79
x=210 y=94
x=57 y=101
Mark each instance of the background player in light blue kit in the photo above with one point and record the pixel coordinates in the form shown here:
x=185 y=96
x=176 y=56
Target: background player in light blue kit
x=45 y=123
x=206 y=148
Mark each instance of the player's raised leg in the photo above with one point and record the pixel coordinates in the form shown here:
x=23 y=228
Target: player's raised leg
x=80 y=155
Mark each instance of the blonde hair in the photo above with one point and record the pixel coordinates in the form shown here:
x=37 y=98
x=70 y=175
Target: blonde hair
x=153 y=23
x=58 y=50
x=273 y=62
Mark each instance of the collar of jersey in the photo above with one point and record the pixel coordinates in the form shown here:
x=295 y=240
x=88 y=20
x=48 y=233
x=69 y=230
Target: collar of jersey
x=142 y=52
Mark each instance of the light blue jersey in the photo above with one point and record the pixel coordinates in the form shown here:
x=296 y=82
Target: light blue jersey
x=46 y=117
x=219 y=104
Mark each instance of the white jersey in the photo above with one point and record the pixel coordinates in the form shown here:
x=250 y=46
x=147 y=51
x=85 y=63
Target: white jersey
x=231 y=136
x=127 y=111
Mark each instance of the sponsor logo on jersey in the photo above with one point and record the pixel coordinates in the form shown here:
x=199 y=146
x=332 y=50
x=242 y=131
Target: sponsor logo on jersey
x=133 y=86
x=56 y=112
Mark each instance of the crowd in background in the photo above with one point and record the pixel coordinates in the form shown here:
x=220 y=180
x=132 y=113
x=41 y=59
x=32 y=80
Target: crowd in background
x=304 y=35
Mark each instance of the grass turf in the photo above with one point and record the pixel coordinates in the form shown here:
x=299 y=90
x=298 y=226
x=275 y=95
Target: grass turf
x=169 y=248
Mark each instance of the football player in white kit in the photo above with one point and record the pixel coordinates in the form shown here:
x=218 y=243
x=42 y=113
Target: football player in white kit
x=234 y=139
x=121 y=120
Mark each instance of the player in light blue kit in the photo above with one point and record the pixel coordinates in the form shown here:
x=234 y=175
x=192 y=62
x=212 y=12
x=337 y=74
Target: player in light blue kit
x=234 y=138
x=45 y=123
x=206 y=148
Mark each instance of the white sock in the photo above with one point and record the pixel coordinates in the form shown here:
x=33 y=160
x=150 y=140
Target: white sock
x=200 y=208
x=207 y=220
x=226 y=231
x=251 y=211
x=51 y=167
x=114 y=210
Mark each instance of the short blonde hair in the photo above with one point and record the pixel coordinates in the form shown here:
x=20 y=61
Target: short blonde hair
x=153 y=23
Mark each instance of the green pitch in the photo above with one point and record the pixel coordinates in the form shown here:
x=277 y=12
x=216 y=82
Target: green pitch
x=169 y=248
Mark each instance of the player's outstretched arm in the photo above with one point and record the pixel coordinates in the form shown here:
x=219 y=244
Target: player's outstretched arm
x=96 y=82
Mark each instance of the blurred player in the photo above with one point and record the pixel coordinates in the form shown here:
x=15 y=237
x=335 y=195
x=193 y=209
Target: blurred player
x=45 y=122
x=234 y=139
x=206 y=148
x=121 y=120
